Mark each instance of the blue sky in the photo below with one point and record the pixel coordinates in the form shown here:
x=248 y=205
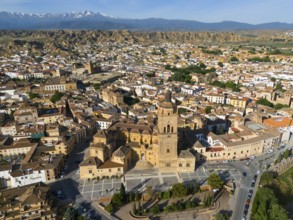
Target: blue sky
x=250 y=11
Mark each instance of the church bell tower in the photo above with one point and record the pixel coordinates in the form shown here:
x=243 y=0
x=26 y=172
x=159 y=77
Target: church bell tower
x=167 y=135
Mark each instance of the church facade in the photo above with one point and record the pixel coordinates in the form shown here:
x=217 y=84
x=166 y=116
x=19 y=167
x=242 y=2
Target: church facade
x=147 y=143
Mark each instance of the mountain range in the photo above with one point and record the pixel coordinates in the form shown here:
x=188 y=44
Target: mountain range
x=87 y=20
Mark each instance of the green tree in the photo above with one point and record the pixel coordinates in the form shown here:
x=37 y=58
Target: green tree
x=208 y=200
x=266 y=178
x=215 y=181
x=97 y=86
x=179 y=190
x=221 y=64
x=134 y=209
x=208 y=109
x=167 y=194
x=234 y=59
x=264 y=101
x=266 y=206
x=280 y=106
x=109 y=208
x=33 y=95
x=70 y=214
x=122 y=191
x=286 y=154
x=117 y=200
x=56 y=97
x=155 y=209
x=222 y=216
x=279 y=158
x=273 y=79
x=131 y=196
x=279 y=86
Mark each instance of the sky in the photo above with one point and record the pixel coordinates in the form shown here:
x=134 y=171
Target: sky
x=249 y=11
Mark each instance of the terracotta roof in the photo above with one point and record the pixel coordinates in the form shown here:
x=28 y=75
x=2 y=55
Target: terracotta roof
x=110 y=164
x=279 y=122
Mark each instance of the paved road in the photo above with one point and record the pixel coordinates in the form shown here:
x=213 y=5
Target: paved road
x=258 y=165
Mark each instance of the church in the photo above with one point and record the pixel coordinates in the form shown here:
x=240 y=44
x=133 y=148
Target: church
x=150 y=143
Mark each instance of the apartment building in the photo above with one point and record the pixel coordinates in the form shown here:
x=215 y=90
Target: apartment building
x=33 y=201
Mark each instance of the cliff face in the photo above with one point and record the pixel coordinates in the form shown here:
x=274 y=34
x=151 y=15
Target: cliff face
x=64 y=41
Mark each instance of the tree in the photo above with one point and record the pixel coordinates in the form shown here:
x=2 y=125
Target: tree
x=208 y=109
x=280 y=106
x=109 y=208
x=33 y=95
x=266 y=206
x=56 y=97
x=208 y=200
x=179 y=190
x=286 y=154
x=234 y=59
x=221 y=64
x=279 y=86
x=215 y=181
x=273 y=79
x=134 y=209
x=122 y=191
x=117 y=200
x=70 y=214
x=131 y=196
x=155 y=209
x=264 y=101
x=266 y=178
x=167 y=194
x=222 y=216
x=97 y=86
x=279 y=158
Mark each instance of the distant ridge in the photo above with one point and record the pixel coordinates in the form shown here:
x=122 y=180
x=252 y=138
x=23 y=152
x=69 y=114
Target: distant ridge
x=87 y=20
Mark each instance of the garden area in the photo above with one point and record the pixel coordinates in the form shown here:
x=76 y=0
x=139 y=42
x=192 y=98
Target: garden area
x=274 y=198
x=180 y=197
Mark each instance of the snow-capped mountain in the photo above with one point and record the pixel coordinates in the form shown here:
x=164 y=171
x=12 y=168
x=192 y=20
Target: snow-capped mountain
x=95 y=20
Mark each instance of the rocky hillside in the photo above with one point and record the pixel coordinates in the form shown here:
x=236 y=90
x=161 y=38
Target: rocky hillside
x=65 y=41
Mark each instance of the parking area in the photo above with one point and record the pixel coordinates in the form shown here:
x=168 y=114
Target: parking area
x=139 y=181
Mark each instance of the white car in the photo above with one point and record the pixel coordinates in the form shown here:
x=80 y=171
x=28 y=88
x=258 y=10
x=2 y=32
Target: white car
x=225 y=161
x=270 y=151
x=252 y=157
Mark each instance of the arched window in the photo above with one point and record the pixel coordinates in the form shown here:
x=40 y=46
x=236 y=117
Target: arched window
x=168 y=128
x=172 y=130
x=164 y=129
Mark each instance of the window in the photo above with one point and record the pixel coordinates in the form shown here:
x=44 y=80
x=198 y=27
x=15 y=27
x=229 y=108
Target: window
x=168 y=128
x=172 y=129
x=164 y=129
x=109 y=170
x=188 y=165
x=90 y=171
x=168 y=150
x=180 y=164
x=168 y=164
